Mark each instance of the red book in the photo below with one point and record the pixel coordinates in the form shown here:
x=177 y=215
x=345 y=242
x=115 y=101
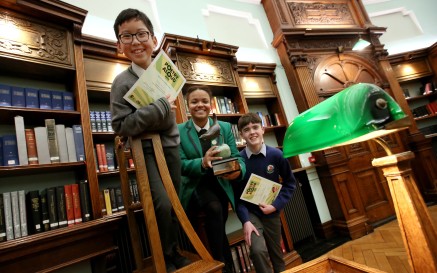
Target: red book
x=69 y=204
x=76 y=203
x=242 y=263
x=100 y=157
x=105 y=162
x=32 y=153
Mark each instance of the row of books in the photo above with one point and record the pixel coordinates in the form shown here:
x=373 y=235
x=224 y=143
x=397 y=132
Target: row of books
x=111 y=200
x=16 y=96
x=101 y=121
x=24 y=213
x=425 y=110
x=220 y=105
x=238 y=139
x=52 y=143
x=430 y=130
x=269 y=120
x=241 y=258
x=105 y=157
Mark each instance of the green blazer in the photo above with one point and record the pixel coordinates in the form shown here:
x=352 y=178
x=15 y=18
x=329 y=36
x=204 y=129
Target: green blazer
x=190 y=151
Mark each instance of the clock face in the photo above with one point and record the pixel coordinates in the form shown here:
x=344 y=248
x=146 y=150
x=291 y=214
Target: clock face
x=337 y=73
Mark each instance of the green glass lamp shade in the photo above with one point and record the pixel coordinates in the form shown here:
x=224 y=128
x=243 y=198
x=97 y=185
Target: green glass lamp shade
x=357 y=113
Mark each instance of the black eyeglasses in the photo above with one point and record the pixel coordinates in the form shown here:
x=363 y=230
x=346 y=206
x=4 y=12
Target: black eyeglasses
x=127 y=38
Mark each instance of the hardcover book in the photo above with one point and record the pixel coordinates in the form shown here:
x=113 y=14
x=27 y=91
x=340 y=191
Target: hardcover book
x=78 y=141
x=61 y=206
x=18 y=98
x=93 y=121
x=69 y=204
x=31 y=95
x=32 y=154
x=8 y=216
x=114 y=205
x=71 y=146
x=1 y=151
x=5 y=95
x=34 y=209
x=45 y=217
x=42 y=145
x=68 y=101
x=21 y=141
x=52 y=208
x=110 y=159
x=23 y=212
x=52 y=140
x=85 y=203
x=107 y=199
x=2 y=220
x=10 y=150
x=77 y=211
x=62 y=143
x=57 y=100
x=15 y=214
x=45 y=99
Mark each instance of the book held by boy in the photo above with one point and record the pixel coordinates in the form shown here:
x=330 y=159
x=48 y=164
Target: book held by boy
x=260 y=190
x=160 y=79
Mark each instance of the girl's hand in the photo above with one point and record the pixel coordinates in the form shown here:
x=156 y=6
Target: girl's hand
x=210 y=156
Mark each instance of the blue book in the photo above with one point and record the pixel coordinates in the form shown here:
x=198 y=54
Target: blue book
x=45 y=99
x=57 y=100
x=78 y=142
x=1 y=151
x=10 y=150
x=5 y=95
x=31 y=95
x=18 y=99
x=68 y=101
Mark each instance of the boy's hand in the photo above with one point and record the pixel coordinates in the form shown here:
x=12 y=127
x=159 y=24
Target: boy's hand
x=172 y=102
x=248 y=228
x=267 y=209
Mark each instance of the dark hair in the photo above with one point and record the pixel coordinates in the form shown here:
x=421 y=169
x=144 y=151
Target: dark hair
x=193 y=88
x=129 y=14
x=248 y=118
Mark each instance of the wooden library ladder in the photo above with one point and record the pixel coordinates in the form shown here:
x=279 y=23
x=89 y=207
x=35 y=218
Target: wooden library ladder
x=204 y=261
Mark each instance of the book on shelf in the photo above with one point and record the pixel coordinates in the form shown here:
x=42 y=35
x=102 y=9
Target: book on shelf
x=107 y=199
x=103 y=202
x=10 y=150
x=68 y=101
x=235 y=260
x=110 y=156
x=18 y=98
x=8 y=216
x=114 y=205
x=5 y=95
x=52 y=208
x=108 y=118
x=23 y=212
x=45 y=217
x=246 y=256
x=31 y=95
x=52 y=140
x=99 y=126
x=34 y=212
x=71 y=146
x=263 y=122
x=1 y=151
x=45 y=99
x=77 y=210
x=2 y=220
x=119 y=198
x=62 y=143
x=93 y=121
x=15 y=214
x=57 y=100
x=241 y=257
x=32 y=154
x=61 y=206
x=78 y=141
x=42 y=145
x=85 y=202
x=277 y=119
x=69 y=210
x=21 y=140
x=133 y=186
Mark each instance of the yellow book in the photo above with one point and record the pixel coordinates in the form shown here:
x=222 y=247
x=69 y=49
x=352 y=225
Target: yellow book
x=107 y=197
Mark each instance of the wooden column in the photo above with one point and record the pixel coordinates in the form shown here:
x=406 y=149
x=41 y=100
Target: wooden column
x=417 y=229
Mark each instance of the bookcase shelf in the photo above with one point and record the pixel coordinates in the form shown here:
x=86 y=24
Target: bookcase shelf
x=40 y=168
x=33 y=115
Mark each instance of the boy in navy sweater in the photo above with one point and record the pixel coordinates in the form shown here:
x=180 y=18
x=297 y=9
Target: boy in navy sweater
x=261 y=223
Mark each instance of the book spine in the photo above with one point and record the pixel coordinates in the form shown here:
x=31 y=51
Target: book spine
x=119 y=198
x=68 y=101
x=93 y=121
x=235 y=260
x=52 y=141
x=62 y=143
x=71 y=147
x=32 y=153
x=85 y=203
x=61 y=206
x=1 y=151
x=110 y=159
x=34 y=209
x=108 y=118
x=69 y=210
x=2 y=220
x=100 y=157
x=77 y=211
x=57 y=100
x=42 y=145
x=21 y=141
x=107 y=198
x=18 y=98
x=52 y=208
x=45 y=218
x=23 y=213
x=45 y=99
x=10 y=150
x=16 y=214
x=8 y=216
x=240 y=255
x=114 y=205
x=31 y=95
x=5 y=95
x=103 y=202
x=78 y=141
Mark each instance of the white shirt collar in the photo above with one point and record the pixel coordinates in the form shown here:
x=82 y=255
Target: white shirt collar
x=263 y=151
x=137 y=69
x=206 y=127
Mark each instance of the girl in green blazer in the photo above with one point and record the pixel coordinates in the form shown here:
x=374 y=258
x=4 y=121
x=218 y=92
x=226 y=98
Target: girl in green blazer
x=200 y=190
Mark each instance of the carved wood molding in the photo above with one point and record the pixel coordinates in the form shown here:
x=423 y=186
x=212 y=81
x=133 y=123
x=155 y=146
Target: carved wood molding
x=319 y=13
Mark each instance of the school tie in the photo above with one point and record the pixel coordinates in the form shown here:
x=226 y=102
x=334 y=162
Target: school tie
x=206 y=144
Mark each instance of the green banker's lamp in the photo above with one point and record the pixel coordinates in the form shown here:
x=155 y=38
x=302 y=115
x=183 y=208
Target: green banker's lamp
x=366 y=112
